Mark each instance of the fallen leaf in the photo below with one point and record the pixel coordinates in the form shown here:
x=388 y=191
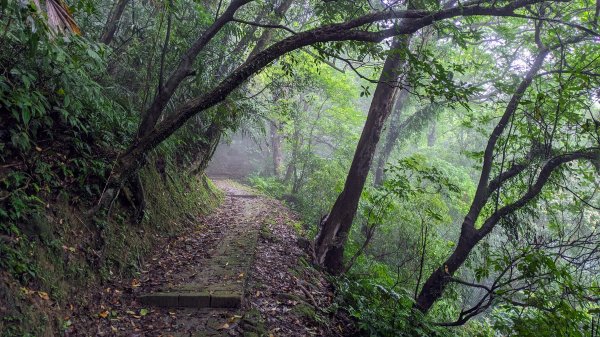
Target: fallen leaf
x=234 y=318
x=224 y=326
x=103 y=314
x=43 y=295
x=135 y=283
x=71 y=249
x=27 y=291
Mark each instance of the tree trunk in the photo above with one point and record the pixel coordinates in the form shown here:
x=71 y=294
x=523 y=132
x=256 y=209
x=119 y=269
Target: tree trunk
x=439 y=279
x=330 y=242
x=113 y=21
x=276 y=148
x=391 y=138
x=469 y=236
x=152 y=115
x=432 y=136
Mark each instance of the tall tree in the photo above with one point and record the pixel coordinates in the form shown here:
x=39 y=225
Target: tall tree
x=330 y=241
x=471 y=232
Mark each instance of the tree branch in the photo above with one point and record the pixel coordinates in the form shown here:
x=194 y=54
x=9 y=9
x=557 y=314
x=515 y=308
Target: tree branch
x=550 y=166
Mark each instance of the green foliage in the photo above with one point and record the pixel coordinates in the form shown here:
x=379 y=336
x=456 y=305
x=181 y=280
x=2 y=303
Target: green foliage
x=64 y=121
x=270 y=186
x=565 y=320
x=383 y=309
x=49 y=104
x=70 y=106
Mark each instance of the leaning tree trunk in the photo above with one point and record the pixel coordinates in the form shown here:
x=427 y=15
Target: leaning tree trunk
x=437 y=282
x=151 y=116
x=113 y=21
x=391 y=137
x=329 y=243
x=130 y=161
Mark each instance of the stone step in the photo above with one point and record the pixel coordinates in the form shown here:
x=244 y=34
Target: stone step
x=219 y=281
x=221 y=299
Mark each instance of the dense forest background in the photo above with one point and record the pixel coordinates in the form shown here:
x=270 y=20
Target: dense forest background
x=444 y=155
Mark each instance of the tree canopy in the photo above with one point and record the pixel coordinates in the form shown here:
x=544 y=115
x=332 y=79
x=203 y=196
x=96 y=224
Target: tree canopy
x=444 y=156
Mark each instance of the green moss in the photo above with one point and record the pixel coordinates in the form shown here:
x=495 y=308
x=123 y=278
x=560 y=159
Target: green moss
x=69 y=253
x=266 y=234
x=252 y=324
x=306 y=310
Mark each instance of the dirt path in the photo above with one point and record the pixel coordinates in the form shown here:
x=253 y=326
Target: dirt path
x=239 y=272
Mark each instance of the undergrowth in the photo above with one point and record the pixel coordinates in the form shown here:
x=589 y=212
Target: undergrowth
x=64 y=122
x=65 y=253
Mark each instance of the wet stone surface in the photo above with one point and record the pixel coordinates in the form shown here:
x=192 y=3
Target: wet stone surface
x=236 y=272
x=219 y=280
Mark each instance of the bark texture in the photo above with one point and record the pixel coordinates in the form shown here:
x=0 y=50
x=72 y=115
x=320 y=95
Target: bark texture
x=329 y=244
x=113 y=21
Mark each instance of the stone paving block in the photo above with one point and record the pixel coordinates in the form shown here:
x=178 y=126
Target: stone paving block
x=168 y=300
x=226 y=300
x=220 y=282
x=194 y=300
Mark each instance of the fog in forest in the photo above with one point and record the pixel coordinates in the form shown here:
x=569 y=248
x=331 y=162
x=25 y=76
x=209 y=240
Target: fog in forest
x=299 y=168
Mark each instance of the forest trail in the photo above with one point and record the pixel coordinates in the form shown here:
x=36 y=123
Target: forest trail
x=238 y=272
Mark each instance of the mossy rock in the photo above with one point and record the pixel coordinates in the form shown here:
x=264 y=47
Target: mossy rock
x=306 y=310
x=266 y=234
x=252 y=324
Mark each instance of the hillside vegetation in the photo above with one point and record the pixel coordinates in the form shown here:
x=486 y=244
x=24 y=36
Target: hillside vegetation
x=443 y=156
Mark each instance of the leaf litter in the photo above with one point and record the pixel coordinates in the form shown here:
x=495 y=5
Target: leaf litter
x=290 y=297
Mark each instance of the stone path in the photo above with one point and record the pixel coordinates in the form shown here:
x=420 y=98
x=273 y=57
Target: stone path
x=219 y=281
x=235 y=272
